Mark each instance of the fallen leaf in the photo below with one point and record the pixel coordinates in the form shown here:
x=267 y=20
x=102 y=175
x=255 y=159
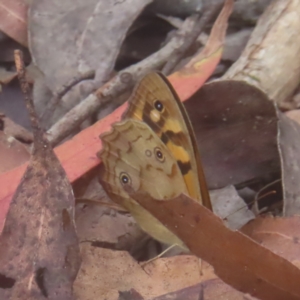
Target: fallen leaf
x=236 y=259
x=236 y=129
x=112 y=275
x=280 y=235
x=39 y=247
x=105 y=272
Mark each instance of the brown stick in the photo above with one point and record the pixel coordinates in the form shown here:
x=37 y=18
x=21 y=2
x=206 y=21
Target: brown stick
x=20 y=66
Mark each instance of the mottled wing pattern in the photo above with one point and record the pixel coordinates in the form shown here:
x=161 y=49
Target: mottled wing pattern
x=133 y=154
x=155 y=102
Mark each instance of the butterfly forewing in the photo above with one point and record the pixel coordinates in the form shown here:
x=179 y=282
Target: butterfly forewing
x=155 y=102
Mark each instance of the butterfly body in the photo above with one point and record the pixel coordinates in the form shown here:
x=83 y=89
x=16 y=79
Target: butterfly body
x=153 y=150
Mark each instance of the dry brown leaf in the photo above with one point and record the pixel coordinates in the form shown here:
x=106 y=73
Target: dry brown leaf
x=280 y=235
x=239 y=134
x=38 y=244
x=39 y=252
x=105 y=272
x=237 y=260
x=112 y=275
x=236 y=129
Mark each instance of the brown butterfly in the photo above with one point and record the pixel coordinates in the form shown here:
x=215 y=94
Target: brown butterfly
x=153 y=149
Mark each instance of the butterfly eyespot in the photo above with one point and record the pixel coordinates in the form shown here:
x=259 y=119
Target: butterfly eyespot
x=159 y=106
x=125 y=178
x=159 y=155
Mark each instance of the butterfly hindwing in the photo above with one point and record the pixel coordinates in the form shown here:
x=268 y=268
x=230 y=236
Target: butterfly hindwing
x=133 y=154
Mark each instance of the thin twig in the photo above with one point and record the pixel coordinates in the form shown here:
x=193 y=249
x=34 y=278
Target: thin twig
x=51 y=105
x=123 y=81
x=20 y=66
x=189 y=39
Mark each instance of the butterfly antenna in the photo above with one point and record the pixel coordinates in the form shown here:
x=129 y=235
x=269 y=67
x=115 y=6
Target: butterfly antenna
x=258 y=197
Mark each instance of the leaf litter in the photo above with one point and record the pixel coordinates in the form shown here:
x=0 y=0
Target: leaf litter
x=263 y=107
x=237 y=134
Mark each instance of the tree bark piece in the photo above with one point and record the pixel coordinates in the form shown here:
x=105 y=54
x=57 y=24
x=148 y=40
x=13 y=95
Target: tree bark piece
x=271 y=59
